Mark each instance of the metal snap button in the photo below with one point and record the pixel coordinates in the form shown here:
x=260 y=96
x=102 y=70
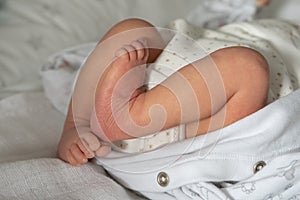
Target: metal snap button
x=163 y=179
x=258 y=166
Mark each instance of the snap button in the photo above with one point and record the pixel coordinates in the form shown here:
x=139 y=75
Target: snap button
x=258 y=166
x=163 y=179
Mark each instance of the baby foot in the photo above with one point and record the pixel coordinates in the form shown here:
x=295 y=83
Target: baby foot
x=118 y=87
x=90 y=141
x=103 y=150
x=93 y=144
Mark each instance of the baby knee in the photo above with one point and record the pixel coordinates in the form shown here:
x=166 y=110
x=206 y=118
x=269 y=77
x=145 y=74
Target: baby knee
x=250 y=63
x=256 y=67
x=244 y=62
x=255 y=74
x=248 y=70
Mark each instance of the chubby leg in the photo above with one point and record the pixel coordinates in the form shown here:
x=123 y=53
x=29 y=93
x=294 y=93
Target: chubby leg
x=231 y=87
x=78 y=143
x=245 y=73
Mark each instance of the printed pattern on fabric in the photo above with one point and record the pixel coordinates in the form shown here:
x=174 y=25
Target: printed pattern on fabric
x=285 y=38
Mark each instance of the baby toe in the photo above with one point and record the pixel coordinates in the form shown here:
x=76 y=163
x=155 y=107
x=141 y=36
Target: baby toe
x=132 y=52
x=122 y=53
x=71 y=159
x=78 y=154
x=103 y=151
x=143 y=41
x=140 y=49
x=91 y=141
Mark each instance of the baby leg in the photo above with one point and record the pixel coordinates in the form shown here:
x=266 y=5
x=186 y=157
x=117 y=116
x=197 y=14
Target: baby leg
x=77 y=123
x=238 y=86
x=247 y=73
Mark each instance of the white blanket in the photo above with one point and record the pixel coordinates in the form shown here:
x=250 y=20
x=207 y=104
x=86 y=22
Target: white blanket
x=216 y=13
x=50 y=179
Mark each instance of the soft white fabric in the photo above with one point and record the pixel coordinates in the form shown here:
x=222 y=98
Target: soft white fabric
x=216 y=13
x=29 y=127
x=287 y=10
x=151 y=142
x=230 y=154
x=279 y=180
x=59 y=74
x=48 y=179
x=277 y=41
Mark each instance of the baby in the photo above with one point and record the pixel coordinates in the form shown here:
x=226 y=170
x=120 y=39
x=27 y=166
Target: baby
x=110 y=103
